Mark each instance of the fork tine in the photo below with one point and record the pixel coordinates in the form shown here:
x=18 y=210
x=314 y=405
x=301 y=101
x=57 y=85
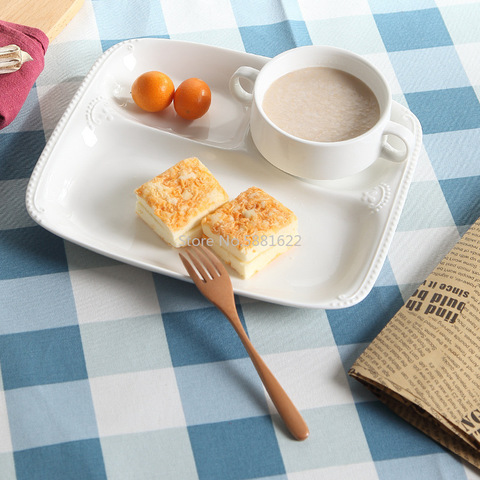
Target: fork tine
x=203 y=262
x=191 y=271
x=221 y=270
x=202 y=272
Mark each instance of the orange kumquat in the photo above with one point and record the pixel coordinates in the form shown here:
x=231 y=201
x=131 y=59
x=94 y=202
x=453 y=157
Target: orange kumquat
x=192 y=99
x=153 y=91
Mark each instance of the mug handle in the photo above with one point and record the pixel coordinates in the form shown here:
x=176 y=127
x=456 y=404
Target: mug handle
x=405 y=135
x=236 y=88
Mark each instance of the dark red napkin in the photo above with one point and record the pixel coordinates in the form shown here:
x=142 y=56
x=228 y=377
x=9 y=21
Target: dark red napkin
x=15 y=86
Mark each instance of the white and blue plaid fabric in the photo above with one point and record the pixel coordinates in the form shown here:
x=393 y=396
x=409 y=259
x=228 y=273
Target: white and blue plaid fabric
x=112 y=372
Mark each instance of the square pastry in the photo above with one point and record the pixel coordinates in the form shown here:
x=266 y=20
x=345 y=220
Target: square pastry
x=174 y=202
x=250 y=231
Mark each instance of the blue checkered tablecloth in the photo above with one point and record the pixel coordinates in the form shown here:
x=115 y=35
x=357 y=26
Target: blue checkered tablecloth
x=112 y=372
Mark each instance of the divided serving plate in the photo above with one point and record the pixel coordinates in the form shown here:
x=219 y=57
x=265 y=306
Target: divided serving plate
x=104 y=146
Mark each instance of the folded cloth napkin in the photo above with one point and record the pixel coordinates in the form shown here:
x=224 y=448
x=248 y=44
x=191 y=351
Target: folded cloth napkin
x=15 y=86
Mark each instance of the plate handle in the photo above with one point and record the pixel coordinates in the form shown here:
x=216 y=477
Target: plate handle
x=237 y=90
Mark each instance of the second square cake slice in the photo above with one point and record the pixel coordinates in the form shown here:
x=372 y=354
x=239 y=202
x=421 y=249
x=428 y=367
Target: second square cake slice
x=250 y=231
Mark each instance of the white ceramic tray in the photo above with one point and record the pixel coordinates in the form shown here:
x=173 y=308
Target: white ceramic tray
x=104 y=147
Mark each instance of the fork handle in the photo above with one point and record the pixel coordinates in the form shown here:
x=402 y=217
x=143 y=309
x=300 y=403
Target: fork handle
x=285 y=407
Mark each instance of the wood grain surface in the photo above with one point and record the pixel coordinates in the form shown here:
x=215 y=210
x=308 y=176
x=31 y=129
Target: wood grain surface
x=50 y=16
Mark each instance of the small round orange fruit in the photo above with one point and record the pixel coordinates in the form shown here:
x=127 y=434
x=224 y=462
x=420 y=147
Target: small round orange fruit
x=153 y=91
x=192 y=99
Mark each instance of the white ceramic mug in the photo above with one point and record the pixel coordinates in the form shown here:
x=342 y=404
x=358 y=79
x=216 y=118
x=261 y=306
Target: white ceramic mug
x=320 y=160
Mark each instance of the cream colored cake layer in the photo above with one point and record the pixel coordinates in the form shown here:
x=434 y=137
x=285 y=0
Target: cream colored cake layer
x=147 y=214
x=248 y=269
x=174 y=202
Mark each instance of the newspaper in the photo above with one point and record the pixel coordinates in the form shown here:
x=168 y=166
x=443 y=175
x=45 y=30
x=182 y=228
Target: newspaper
x=425 y=364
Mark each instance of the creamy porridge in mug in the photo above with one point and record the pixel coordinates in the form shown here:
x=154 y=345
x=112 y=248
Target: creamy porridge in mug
x=321 y=104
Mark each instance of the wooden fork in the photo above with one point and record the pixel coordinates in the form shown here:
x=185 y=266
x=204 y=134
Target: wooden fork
x=213 y=281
